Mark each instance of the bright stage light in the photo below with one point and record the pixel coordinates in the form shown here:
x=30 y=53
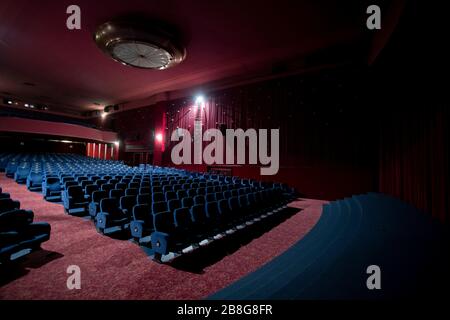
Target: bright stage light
x=117 y=143
x=104 y=114
x=199 y=99
x=159 y=137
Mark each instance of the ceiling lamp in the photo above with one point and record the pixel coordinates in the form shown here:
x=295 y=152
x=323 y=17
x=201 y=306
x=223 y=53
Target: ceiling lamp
x=140 y=43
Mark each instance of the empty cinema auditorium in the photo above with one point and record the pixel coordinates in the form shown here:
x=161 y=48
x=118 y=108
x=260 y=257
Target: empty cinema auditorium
x=186 y=150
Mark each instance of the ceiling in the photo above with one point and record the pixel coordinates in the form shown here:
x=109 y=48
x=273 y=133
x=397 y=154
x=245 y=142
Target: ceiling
x=44 y=62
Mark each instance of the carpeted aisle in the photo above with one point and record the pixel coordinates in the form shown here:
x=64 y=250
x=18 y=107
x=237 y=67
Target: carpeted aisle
x=119 y=269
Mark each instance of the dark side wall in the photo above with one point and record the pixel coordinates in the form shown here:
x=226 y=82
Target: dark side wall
x=412 y=94
x=31 y=143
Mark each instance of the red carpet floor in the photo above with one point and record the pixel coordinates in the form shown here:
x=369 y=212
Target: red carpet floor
x=120 y=269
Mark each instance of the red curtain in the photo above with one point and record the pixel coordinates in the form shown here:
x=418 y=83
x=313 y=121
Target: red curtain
x=327 y=146
x=414 y=158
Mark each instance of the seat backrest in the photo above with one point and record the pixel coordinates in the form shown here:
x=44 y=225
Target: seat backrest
x=199 y=200
x=252 y=198
x=8 y=205
x=69 y=184
x=158 y=197
x=142 y=212
x=156 y=189
x=192 y=193
x=98 y=195
x=53 y=184
x=144 y=199
x=66 y=179
x=36 y=177
x=121 y=185
x=210 y=197
x=186 y=186
x=90 y=188
x=86 y=183
x=194 y=185
x=187 y=202
x=158 y=207
x=145 y=184
x=116 y=193
x=182 y=218
x=234 y=203
x=134 y=185
x=127 y=203
x=243 y=201
x=224 y=206
x=110 y=206
x=212 y=209
x=131 y=192
x=76 y=193
x=177 y=187
x=144 y=190
x=181 y=194
x=234 y=193
x=219 y=196
x=227 y=194
x=100 y=182
x=170 y=195
x=107 y=187
x=174 y=204
x=113 y=181
x=163 y=222
x=198 y=213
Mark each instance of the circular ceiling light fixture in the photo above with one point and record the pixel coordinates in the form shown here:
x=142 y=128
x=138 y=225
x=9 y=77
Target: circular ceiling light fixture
x=140 y=43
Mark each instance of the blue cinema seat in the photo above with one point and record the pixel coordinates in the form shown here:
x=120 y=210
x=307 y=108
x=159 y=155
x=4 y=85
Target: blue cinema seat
x=126 y=204
x=74 y=200
x=21 y=174
x=8 y=205
x=34 y=181
x=11 y=169
x=141 y=225
x=111 y=218
x=4 y=195
x=51 y=188
x=19 y=235
x=94 y=205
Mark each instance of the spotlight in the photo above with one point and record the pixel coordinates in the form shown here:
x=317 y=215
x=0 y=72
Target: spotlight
x=10 y=102
x=159 y=137
x=199 y=99
x=104 y=114
x=117 y=143
x=26 y=105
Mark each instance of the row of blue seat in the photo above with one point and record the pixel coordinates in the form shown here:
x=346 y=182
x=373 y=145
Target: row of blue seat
x=170 y=210
x=19 y=235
